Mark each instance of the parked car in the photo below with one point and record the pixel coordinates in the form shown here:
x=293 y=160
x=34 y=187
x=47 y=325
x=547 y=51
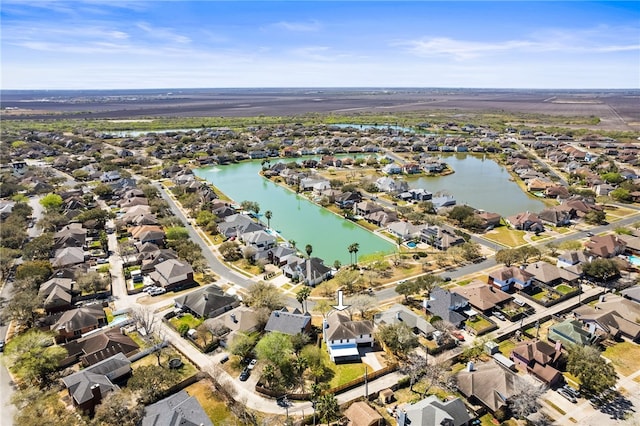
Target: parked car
x=1 y=345
x=567 y=395
x=499 y=315
x=458 y=335
x=245 y=374
x=252 y=364
x=573 y=391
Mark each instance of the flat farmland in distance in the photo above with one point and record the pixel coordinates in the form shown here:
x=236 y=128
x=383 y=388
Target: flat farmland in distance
x=616 y=109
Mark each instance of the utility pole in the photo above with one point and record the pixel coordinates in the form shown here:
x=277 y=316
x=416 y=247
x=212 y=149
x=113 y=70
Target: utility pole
x=366 y=385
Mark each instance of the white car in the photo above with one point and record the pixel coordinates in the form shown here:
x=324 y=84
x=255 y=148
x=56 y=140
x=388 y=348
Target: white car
x=252 y=364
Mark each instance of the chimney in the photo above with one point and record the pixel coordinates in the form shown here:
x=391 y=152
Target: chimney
x=95 y=392
x=233 y=318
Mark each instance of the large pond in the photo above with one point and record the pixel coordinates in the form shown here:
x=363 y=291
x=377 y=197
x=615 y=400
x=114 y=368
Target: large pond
x=481 y=183
x=294 y=216
x=478 y=181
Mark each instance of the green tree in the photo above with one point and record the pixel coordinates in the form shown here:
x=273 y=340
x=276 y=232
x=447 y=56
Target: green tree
x=51 y=202
x=621 y=195
x=251 y=206
x=13 y=232
x=595 y=217
x=38 y=270
x=264 y=295
x=327 y=407
x=601 y=269
x=39 y=248
x=407 y=289
x=460 y=213
x=308 y=249
x=230 y=251
x=354 y=248
x=594 y=372
x=302 y=295
x=91 y=282
x=243 y=343
x=275 y=347
x=399 y=338
x=32 y=356
x=507 y=256
x=177 y=233
x=103 y=190
x=152 y=382
x=23 y=306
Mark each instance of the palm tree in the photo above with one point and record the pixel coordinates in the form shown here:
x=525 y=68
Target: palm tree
x=350 y=249
x=302 y=296
x=356 y=247
x=309 y=249
x=327 y=407
x=268 y=214
x=293 y=243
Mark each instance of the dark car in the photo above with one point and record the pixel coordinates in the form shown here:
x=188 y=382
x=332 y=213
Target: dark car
x=245 y=375
x=283 y=401
x=567 y=395
x=573 y=391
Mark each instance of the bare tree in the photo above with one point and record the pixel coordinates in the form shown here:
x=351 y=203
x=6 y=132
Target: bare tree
x=362 y=304
x=144 y=318
x=439 y=375
x=414 y=366
x=444 y=327
x=526 y=398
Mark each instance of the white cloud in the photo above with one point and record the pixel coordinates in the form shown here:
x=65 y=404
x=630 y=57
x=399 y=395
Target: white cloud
x=166 y=34
x=309 y=26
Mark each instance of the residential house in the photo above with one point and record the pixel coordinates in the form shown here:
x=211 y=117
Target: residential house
x=110 y=176
x=391 y=185
x=151 y=258
x=148 y=234
x=607 y=322
x=392 y=169
x=571 y=261
x=451 y=307
x=74 y=323
x=526 y=222
x=431 y=411
x=343 y=336
x=72 y=235
x=176 y=410
x=439 y=237
x=571 y=332
x=88 y=387
x=361 y=414
x=632 y=293
x=207 y=302
x=488 y=219
x=488 y=384
x=404 y=230
x=538 y=358
x=310 y=271
x=95 y=348
x=550 y=275
x=605 y=246
x=173 y=274
x=279 y=255
x=398 y=313
x=241 y=318
x=482 y=297
x=238 y=224
x=632 y=244
x=259 y=240
x=364 y=208
x=68 y=256
x=510 y=276
x=445 y=200
x=382 y=217
x=289 y=322
x=347 y=199
x=57 y=294
x=555 y=217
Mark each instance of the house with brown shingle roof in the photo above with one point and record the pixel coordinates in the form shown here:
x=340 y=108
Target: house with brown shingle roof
x=343 y=336
x=538 y=358
x=361 y=414
x=605 y=246
x=549 y=274
x=608 y=322
x=483 y=297
x=173 y=274
x=98 y=347
x=488 y=384
x=526 y=221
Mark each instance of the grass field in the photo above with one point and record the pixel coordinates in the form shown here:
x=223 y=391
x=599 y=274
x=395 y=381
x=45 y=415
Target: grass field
x=506 y=236
x=625 y=356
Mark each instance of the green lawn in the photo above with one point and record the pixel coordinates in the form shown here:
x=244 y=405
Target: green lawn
x=506 y=346
x=342 y=373
x=188 y=319
x=479 y=324
x=187 y=369
x=564 y=289
x=625 y=356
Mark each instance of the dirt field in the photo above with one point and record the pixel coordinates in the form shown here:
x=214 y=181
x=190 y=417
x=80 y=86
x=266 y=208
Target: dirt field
x=617 y=110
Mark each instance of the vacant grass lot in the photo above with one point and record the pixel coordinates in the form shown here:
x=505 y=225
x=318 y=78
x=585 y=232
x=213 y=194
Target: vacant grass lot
x=625 y=356
x=508 y=237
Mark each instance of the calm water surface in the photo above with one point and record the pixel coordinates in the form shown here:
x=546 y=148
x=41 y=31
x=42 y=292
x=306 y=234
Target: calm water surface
x=478 y=181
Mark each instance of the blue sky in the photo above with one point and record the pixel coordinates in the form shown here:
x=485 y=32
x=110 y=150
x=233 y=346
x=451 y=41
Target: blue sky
x=115 y=44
